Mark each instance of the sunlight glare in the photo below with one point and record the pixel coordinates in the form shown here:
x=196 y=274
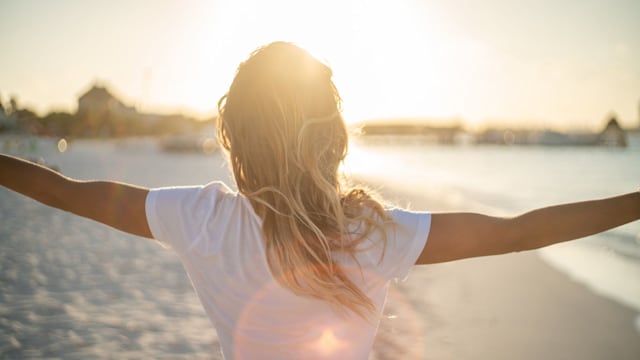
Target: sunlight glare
x=328 y=343
x=389 y=59
x=383 y=54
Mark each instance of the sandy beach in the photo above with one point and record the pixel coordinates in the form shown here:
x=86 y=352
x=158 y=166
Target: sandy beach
x=511 y=306
x=71 y=288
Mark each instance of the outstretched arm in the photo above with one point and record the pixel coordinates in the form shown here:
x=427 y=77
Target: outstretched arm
x=456 y=236
x=118 y=205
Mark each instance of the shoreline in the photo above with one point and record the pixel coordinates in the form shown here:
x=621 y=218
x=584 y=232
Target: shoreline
x=513 y=306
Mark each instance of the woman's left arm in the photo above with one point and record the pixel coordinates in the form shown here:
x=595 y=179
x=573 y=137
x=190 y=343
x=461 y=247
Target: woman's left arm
x=115 y=204
x=455 y=236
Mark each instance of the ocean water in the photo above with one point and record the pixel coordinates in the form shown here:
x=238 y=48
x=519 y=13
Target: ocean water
x=503 y=180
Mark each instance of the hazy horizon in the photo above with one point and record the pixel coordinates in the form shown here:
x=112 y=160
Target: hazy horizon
x=558 y=65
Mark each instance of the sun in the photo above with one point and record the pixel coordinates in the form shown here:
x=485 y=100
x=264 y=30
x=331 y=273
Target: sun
x=379 y=51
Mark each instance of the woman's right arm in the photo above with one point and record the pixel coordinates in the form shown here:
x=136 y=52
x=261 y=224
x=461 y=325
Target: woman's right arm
x=455 y=236
x=115 y=204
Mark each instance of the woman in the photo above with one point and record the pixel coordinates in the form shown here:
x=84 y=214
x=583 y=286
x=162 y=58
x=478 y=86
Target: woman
x=297 y=264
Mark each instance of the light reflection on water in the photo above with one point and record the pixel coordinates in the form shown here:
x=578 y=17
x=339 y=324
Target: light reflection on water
x=510 y=180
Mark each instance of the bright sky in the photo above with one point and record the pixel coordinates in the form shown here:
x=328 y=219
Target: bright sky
x=541 y=62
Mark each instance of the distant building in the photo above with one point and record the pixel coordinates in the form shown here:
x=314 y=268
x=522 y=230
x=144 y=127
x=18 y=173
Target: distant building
x=613 y=134
x=101 y=114
x=419 y=130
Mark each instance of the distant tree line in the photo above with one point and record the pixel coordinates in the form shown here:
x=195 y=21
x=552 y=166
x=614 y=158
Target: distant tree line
x=99 y=114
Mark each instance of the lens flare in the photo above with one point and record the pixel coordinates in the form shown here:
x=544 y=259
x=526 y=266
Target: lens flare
x=62 y=145
x=328 y=343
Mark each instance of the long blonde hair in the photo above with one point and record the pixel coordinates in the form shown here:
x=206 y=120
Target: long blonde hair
x=282 y=128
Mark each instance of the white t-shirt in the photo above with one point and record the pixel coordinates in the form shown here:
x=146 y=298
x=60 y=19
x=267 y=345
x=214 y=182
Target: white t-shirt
x=218 y=238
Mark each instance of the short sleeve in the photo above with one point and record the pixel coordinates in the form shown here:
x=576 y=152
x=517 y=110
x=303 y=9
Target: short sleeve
x=177 y=216
x=405 y=241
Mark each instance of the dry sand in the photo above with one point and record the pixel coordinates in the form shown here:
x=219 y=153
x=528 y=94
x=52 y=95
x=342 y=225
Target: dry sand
x=74 y=289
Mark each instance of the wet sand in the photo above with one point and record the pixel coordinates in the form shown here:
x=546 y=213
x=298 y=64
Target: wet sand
x=71 y=288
